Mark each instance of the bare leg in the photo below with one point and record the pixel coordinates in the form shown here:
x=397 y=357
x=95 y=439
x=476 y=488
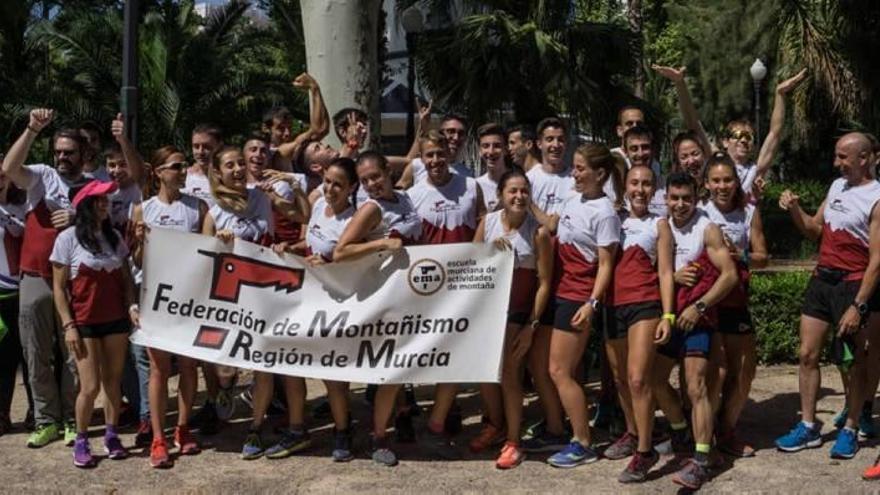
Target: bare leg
x=113 y=352
x=566 y=349
x=617 y=353
x=812 y=334
x=640 y=341
x=539 y=365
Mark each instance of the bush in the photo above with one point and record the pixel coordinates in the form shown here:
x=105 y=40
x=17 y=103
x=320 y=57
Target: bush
x=783 y=239
x=775 y=303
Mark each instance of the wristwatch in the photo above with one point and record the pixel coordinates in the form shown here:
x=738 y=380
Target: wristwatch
x=861 y=307
x=594 y=303
x=701 y=306
x=535 y=323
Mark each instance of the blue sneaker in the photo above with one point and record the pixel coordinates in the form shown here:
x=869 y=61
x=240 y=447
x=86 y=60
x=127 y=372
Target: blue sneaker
x=866 y=424
x=799 y=438
x=573 y=455
x=253 y=447
x=846 y=445
x=840 y=418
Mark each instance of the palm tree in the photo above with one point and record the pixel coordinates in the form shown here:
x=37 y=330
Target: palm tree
x=534 y=58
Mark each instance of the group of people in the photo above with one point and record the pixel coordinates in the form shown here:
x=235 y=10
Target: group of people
x=606 y=245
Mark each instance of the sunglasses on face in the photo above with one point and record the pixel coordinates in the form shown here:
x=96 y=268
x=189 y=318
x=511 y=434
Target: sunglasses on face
x=176 y=166
x=740 y=134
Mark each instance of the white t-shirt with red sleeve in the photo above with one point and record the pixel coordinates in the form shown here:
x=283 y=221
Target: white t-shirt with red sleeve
x=96 y=279
x=585 y=225
x=47 y=192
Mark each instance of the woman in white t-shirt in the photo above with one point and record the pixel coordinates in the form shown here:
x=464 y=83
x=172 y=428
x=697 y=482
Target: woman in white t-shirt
x=94 y=296
x=169 y=209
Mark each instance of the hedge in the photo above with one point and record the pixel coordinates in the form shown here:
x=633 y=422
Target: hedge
x=775 y=303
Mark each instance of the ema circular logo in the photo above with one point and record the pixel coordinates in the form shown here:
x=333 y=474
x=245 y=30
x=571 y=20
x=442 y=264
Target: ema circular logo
x=426 y=276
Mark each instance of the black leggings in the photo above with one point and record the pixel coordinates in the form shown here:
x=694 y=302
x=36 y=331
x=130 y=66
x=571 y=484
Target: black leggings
x=11 y=354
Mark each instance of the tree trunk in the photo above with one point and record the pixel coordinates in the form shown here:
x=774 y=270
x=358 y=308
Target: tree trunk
x=341 y=54
x=634 y=16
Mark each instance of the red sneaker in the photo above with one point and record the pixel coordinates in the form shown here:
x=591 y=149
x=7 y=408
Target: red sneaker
x=185 y=441
x=511 y=456
x=490 y=436
x=873 y=472
x=159 y=457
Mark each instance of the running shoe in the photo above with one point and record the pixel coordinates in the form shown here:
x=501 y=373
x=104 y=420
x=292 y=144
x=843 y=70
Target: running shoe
x=225 y=402
x=489 y=437
x=846 y=445
x=639 y=466
x=290 y=443
x=144 y=434
x=185 y=441
x=624 y=447
x=511 y=456
x=113 y=447
x=840 y=418
x=43 y=435
x=873 y=472
x=82 y=453
x=545 y=442
x=159 y=458
x=382 y=453
x=731 y=445
x=439 y=445
x=573 y=455
x=692 y=475
x=69 y=433
x=253 y=447
x=342 y=446
x=800 y=437
x=247 y=397
x=206 y=420
x=866 y=424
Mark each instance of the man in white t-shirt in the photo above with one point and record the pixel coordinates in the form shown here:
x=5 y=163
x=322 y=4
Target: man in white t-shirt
x=48 y=213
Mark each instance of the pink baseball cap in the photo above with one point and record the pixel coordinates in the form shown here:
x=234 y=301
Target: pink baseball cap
x=94 y=188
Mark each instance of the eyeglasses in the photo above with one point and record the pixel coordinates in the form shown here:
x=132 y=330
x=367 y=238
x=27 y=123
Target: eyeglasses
x=177 y=166
x=741 y=134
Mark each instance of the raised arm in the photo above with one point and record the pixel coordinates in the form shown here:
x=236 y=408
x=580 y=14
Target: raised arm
x=129 y=152
x=777 y=120
x=350 y=245
x=319 y=119
x=685 y=103
x=13 y=164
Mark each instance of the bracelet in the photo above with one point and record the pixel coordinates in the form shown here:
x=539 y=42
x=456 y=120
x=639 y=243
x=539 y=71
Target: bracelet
x=670 y=317
x=69 y=325
x=134 y=307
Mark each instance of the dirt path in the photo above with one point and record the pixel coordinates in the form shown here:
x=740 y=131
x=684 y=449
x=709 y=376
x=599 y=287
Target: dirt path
x=219 y=469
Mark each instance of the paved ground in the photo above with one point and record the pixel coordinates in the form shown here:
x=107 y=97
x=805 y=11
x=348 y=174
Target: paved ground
x=219 y=469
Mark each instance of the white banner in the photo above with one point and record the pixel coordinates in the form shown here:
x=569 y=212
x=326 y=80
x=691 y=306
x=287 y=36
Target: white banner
x=427 y=314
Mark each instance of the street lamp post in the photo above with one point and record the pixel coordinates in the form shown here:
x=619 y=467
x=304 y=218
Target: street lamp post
x=758 y=72
x=128 y=94
x=413 y=23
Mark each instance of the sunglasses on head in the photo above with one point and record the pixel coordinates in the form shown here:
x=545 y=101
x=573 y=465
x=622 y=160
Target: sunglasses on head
x=741 y=134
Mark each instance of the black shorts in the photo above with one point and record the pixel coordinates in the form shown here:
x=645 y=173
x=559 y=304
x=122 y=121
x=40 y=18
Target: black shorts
x=735 y=321
x=560 y=311
x=618 y=319
x=828 y=301
x=98 y=330
x=696 y=343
